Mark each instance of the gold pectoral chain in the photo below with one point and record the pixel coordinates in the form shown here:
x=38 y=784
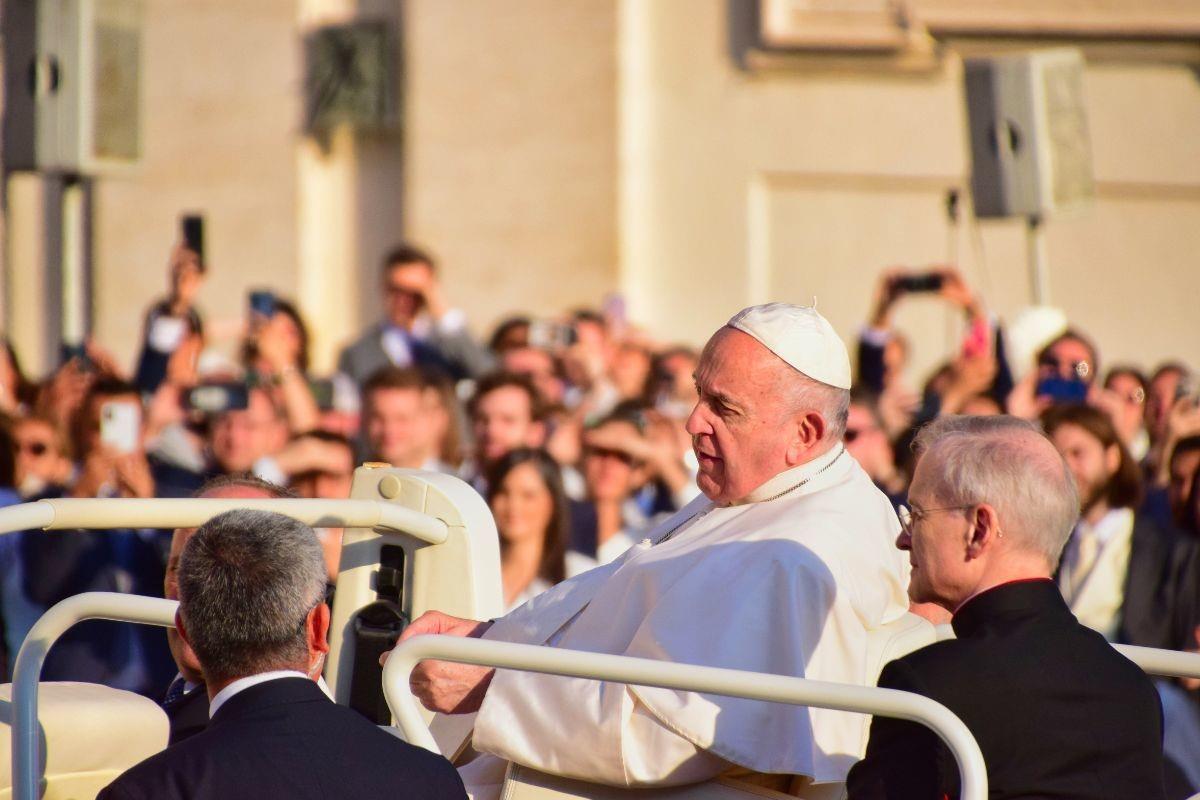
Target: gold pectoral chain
x=786 y=491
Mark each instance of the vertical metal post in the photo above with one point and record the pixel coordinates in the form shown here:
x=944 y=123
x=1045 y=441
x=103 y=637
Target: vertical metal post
x=73 y=268
x=1039 y=277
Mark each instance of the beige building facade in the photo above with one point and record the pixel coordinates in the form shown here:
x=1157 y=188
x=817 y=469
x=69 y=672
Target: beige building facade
x=552 y=153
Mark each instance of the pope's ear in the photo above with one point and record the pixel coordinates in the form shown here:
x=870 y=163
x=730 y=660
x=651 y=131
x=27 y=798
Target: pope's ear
x=807 y=430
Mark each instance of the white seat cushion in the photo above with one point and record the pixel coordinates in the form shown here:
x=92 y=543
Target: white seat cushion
x=90 y=735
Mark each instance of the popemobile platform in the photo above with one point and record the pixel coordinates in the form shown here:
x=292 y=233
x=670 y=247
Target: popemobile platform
x=414 y=541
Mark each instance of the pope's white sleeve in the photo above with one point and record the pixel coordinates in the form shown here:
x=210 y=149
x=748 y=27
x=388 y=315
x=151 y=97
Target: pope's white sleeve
x=585 y=729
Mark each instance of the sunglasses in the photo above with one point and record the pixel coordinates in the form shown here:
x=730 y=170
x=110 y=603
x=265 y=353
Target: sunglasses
x=1080 y=368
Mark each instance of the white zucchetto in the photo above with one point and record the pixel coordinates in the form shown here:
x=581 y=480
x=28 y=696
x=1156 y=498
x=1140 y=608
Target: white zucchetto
x=801 y=337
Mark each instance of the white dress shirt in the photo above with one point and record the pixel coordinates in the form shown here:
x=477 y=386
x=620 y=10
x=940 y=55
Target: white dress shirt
x=242 y=684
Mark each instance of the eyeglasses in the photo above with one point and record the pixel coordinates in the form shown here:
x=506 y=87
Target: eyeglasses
x=908 y=517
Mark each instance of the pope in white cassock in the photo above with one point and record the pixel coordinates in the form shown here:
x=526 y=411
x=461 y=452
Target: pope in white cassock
x=782 y=566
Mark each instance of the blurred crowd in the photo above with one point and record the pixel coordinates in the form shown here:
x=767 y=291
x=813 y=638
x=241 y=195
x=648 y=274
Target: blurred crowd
x=573 y=427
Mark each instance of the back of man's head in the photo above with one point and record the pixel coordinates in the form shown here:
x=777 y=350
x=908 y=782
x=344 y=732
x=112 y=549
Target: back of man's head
x=247 y=582
x=1009 y=464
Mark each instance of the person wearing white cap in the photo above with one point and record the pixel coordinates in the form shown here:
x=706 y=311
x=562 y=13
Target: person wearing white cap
x=782 y=566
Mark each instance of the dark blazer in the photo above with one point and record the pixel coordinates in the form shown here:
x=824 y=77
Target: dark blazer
x=1056 y=711
x=187 y=715
x=456 y=354
x=285 y=738
x=1154 y=585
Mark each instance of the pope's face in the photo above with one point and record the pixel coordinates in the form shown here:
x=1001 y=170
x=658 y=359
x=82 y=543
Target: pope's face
x=738 y=422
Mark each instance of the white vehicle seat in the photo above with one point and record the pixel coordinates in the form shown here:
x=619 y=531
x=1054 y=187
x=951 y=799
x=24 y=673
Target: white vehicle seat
x=90 y=734
x=884 y=644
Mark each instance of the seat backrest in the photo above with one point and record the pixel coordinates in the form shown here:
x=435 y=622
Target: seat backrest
x=895 y=640
x=90 y=734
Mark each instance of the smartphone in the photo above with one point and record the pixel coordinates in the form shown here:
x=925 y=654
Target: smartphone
x=978 y=341
x=262 y=303
x=547 y=335
x=77 y=353
x=322 y=392
x=192 y=228
x=217 y=398
x=121 y=425
x=1063 y=390
x=928 y=282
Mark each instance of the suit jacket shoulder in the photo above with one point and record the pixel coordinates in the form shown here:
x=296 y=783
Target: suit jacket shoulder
x=284 y=738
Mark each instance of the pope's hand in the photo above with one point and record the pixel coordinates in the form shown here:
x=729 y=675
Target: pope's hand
x=443 y=685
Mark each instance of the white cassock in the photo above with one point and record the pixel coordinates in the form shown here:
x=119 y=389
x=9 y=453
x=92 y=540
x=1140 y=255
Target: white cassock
x=787 y=585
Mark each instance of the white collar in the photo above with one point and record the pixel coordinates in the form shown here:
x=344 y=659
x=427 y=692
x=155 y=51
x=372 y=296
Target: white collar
x=241 y=684
x=790 y=478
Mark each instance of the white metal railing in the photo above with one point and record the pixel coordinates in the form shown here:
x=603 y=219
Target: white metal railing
x=43 y=634
x=1167 y=663
x=597 y=666
x=60 y=513
x=687 y=677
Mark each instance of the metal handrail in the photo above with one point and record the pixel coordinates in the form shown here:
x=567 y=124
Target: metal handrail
x=59 y=513
x=1166 y=663
x=687 y=677
x=41 y=637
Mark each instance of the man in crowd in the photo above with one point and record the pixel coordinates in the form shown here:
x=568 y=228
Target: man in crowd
x=1119 y=569
x=419 y=328
x=186 y=700
x=320 y=466
x=788 y=527
x=243 y=440
x=506 y=413
x=397 y=427
x=251 y=607
x=867 y=440
x=1056 y=711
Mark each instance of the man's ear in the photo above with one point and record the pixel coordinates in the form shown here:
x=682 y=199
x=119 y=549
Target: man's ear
x=317 y=625
x=984 y=532
x=807 y=431
x=181 y=629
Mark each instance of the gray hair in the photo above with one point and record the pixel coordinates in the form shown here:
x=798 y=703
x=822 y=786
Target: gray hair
x=247 y=581
x=1009 y=464
x=802 y=393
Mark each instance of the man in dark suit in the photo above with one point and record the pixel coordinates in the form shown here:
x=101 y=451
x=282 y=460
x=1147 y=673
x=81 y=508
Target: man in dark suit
x=419 y=330
x=1120 y=570
x=251 y=607
x=186 y=700
x=1056 y=711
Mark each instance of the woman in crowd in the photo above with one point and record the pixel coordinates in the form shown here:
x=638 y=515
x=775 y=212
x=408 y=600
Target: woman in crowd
x=526 y=497
x=275 y=355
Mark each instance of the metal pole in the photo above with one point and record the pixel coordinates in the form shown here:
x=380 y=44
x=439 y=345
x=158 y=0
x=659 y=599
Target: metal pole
x=60 y=513
x=90 y=605
x=1035 y=243
x=647 y=672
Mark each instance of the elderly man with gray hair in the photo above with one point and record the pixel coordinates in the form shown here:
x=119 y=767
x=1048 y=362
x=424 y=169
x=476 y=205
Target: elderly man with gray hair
x=251 y=607
x=1056 y=711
